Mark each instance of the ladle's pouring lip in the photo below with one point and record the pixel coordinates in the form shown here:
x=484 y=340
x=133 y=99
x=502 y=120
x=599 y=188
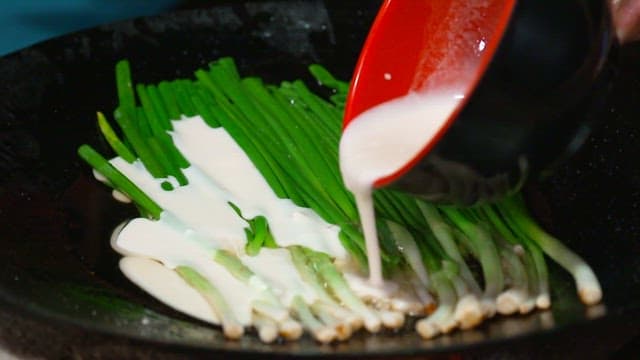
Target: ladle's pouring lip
x=420 y=46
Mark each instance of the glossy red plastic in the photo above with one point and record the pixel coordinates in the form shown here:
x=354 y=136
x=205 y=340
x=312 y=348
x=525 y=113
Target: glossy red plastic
x=417 y=45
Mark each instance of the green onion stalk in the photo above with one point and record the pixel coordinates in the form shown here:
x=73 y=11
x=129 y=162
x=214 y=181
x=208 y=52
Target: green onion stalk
x=291 y=135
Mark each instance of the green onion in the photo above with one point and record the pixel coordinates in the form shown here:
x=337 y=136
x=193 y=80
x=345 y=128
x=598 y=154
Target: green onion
x=158 y=105
x=116 y=144
x=119 y=181
x=487 y=251
x=340 y=288
x=168 y=98
x=124 y=84
x=230 y=325
x=327 y=79
x=320 y=332
x=292 y=137
x=586 y=281
x=157 y=125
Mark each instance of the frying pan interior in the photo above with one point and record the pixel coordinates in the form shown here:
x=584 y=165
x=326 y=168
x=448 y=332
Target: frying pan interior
x=55 y=220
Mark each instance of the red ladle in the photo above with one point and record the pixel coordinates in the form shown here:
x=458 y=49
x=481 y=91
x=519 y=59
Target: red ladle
x=534 y=75
x=417 y=45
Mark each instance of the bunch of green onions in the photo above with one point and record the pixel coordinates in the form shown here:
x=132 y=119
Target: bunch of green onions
x=291 y=135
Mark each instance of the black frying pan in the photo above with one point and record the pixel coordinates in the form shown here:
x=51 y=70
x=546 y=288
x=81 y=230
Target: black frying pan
x=55 y=220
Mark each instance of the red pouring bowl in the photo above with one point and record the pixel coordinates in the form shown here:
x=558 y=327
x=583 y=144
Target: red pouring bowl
x=534 y=75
